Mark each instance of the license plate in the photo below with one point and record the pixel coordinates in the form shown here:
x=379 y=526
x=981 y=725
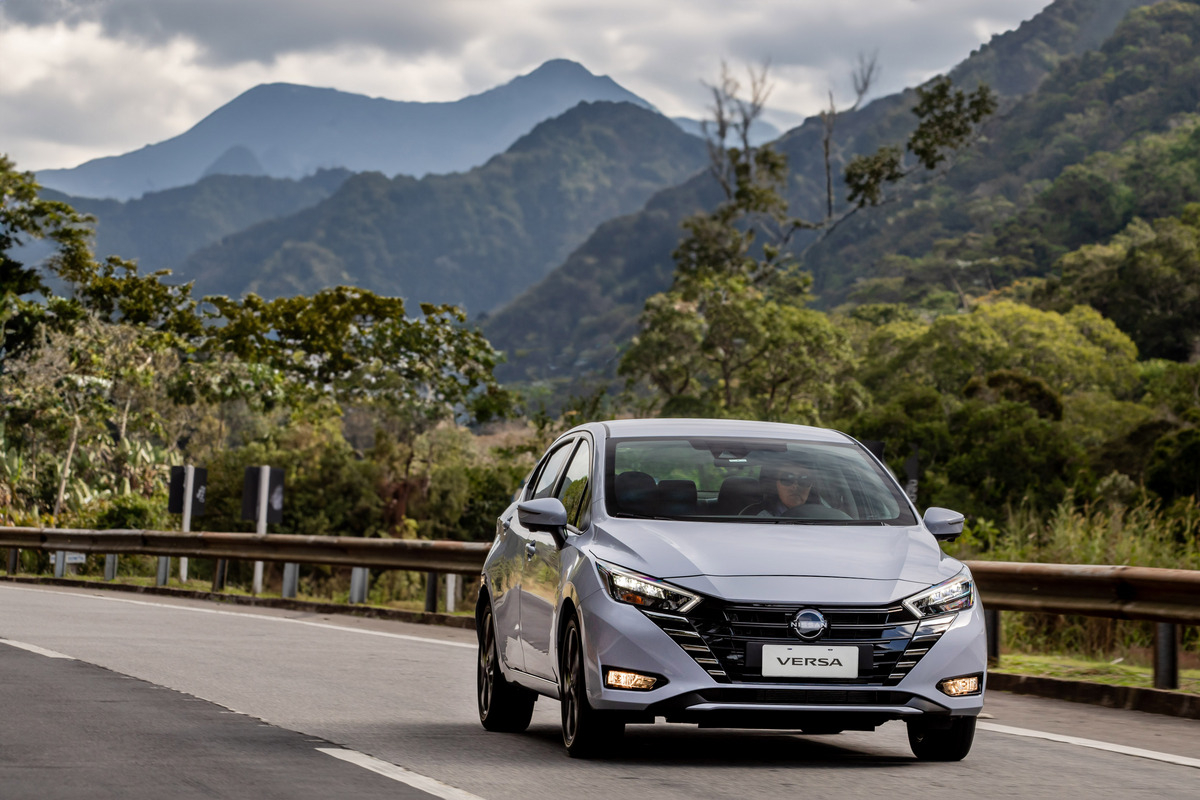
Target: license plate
x=809 y=661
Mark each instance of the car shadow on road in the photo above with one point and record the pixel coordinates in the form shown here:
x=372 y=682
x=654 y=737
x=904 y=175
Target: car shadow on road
x=681 y=745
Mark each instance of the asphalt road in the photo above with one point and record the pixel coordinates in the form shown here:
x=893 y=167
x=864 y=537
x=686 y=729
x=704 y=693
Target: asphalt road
x=321 y=701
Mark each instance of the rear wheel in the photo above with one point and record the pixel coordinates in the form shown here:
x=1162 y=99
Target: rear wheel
x=933 y=742
x=586 y=732
x=503 y=706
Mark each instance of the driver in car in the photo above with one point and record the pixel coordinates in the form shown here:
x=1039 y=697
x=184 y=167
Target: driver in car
x=785 y=487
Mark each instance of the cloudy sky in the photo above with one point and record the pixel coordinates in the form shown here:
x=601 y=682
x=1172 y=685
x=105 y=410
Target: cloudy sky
x=86 y=78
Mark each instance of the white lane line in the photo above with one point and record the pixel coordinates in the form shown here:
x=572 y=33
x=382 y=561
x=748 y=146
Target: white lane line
x=1075 y=740
x=414 y=779
x=221 y=612
x=33 y=648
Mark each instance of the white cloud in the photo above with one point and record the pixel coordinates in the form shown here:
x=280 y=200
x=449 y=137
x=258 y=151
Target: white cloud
x=85 y=78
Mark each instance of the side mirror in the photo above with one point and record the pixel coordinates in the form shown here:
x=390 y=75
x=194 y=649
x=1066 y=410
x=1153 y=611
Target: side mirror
x=944 y=524
x=544 y=514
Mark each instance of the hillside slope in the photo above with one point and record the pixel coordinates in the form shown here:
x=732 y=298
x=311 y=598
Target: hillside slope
x=475 y=238
x=1141 y=81
x=161 y=229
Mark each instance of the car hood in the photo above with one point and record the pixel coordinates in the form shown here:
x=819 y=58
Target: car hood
x=778 y=562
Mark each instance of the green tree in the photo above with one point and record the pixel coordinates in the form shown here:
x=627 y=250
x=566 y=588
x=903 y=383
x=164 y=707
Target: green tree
x=1174 y=469
x=362 y=351
x=1076 y=351
x=25 y=301
x=733 y=336
x=1146 y=280
x=1007 y=454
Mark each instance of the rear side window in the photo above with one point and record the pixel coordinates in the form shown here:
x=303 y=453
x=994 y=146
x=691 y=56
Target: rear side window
x=549 y=472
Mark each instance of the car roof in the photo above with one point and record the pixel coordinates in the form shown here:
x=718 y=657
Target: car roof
x=636 y=428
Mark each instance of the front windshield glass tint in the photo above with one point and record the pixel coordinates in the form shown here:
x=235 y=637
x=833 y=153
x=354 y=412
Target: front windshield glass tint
x=751 y=480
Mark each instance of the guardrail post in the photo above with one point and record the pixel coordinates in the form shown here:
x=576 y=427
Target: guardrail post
x=1166 y=655
x=291 y=578
x=220 y=570
x=14 y=560
x=358 y=584
x=451 y=593
x=164 y=571
x=110 y=567
x=60 y=563
x=431 y=592
x=991 y=624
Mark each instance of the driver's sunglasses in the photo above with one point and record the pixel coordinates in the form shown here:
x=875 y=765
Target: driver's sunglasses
x=792 y=479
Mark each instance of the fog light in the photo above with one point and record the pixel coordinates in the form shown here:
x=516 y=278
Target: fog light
x=616 y=679
x=958 y=687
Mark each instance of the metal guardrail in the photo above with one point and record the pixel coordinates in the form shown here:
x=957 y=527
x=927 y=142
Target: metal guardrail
x=414 y=554
x=1169 y=597
x=1138 y=593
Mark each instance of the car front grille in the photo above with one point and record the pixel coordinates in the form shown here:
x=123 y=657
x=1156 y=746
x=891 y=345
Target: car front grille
x=719 y=636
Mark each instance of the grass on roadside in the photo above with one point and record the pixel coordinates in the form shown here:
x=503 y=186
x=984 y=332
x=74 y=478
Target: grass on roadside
x=1116 y=674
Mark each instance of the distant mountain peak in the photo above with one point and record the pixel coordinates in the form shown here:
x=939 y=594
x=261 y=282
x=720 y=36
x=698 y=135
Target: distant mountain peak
x=561 y=67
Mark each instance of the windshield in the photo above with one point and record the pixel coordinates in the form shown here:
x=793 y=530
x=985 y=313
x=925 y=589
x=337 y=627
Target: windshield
x=751 y=480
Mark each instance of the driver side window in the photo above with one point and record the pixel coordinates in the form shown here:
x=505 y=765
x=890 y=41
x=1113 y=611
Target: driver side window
x=574 y=492
x=553 y=465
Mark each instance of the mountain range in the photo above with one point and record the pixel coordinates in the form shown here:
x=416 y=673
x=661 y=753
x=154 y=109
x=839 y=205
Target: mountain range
x=287 y=131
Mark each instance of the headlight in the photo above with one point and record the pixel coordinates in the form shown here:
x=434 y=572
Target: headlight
x=956 y=594
x=645 y=592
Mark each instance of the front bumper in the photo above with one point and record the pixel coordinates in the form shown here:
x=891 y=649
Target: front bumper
x=619 y=636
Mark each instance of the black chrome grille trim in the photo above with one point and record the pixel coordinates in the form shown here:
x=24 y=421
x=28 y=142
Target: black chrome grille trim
x=684 y=634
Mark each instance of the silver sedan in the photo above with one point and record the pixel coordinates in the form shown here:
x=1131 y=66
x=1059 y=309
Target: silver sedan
x=728 y=574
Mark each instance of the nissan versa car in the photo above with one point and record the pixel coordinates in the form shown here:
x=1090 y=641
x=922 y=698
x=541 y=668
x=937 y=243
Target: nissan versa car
x=727 y=574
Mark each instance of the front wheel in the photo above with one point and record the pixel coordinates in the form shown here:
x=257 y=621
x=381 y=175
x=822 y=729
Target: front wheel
x=586 y=732
x=942 y=742
x=503 y=706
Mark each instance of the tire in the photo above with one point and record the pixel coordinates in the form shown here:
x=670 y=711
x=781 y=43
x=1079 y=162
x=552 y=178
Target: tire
x=503 y=706
x=937 y=743
x=586 y=732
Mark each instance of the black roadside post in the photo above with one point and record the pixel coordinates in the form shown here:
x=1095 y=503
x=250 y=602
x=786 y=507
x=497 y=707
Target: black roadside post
x=220 y=569
x=991 y=624
x=1166 y=655
x=431 y=592
x=14 y=557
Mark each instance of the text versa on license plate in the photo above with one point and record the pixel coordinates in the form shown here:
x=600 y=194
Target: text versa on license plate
x=809 y=661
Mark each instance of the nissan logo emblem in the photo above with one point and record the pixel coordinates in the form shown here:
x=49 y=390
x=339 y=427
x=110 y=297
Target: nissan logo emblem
x=809 y=624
